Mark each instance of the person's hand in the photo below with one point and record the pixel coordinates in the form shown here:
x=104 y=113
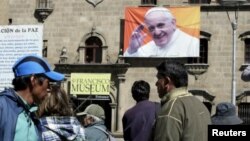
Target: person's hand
x=136 y=39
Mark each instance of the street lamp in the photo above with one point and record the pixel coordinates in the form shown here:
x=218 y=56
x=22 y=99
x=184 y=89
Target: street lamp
x=234 y=24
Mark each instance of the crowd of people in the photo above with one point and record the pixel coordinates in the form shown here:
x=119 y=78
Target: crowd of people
x=38 y=108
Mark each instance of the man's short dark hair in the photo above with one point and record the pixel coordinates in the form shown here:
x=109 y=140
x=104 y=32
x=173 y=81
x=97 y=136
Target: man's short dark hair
x=140 y=90
x=23 y=82
x=175 y=71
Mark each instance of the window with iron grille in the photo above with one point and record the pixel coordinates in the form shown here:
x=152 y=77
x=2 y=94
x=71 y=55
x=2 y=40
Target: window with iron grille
x=203 y=53
x=244 y=112
x=149 y=2
x=199 y=1
x=247 y=51
x=44 y=4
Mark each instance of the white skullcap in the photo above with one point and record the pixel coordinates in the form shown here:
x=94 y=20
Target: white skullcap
x=160 y=9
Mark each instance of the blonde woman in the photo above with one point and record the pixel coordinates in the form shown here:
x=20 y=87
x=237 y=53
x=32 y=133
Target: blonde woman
x=57 y=119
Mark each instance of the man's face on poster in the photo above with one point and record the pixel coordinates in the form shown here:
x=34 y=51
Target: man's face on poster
x=160 y=27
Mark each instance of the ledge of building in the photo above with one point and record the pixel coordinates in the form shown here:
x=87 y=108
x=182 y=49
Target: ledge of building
x=217 y=7
x=196 y=69
x=121 y=68
x=92 y=68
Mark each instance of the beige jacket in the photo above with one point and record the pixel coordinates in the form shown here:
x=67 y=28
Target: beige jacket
x=182 y=118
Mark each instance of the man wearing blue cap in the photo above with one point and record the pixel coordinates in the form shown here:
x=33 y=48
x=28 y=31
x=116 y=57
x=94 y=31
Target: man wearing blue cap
x=17 y=105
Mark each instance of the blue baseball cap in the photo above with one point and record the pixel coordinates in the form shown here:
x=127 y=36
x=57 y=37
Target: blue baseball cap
x=33 y=64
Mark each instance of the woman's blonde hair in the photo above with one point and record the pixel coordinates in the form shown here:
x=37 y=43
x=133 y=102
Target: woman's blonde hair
x=57 y=103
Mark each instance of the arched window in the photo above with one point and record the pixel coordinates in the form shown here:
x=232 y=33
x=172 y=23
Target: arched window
x=93 y=53
x=92 y=48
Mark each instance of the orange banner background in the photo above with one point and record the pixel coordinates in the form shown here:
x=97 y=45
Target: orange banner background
x=187 y=19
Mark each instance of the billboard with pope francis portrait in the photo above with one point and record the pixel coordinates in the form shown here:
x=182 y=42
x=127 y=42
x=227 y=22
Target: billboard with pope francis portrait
x=162 y=32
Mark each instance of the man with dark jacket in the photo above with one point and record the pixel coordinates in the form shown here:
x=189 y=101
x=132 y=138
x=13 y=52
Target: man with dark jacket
x=182 y=116
x=139 y=120
x=17 y=105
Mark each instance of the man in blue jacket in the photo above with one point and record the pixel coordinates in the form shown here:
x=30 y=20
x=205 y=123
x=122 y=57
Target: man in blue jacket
x=17 y=105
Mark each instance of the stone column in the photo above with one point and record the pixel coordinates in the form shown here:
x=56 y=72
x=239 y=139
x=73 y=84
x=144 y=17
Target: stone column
x=81 y=51
x=119 y=114
x=104 y=54
x=113 y=108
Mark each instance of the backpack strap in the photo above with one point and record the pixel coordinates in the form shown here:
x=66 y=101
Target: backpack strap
x=101 y=130
x=108 y=134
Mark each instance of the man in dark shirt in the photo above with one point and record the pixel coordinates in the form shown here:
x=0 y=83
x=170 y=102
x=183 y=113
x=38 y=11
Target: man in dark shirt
x=139 y=120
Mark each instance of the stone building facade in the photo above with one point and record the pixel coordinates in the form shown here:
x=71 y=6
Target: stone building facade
x=69 y=26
